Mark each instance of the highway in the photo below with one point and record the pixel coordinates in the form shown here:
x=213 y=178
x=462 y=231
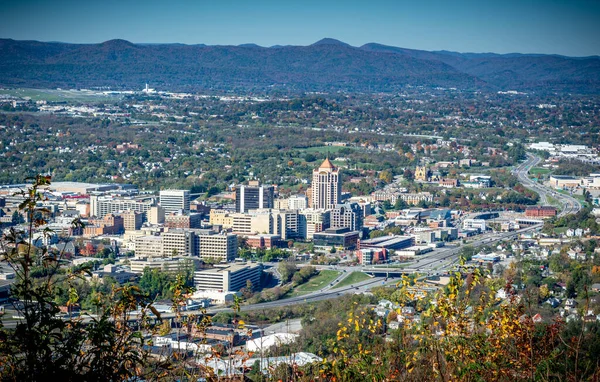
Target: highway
x=569 y=204
x=441 y=259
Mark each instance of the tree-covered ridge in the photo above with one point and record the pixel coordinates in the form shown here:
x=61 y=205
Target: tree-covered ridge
x=324 y=66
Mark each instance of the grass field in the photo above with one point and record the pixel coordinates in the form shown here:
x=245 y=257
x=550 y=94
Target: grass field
x=553 y=201
x=354 y=277
x=539 y=171
x=560 y=230
x=325 y=149
x=581 y=198
x=54 y=95
x=324 y=278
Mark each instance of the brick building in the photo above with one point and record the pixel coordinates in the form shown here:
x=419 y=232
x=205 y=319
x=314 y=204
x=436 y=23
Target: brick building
x=540 y=211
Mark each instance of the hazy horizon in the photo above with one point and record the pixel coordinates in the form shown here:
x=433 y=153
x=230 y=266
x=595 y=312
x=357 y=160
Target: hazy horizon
x=309 y=44
x=536 y=27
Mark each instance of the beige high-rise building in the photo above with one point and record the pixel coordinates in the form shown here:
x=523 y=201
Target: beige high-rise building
x=156 y=215
x=219 y=246
x=313 y=221
x=177 y=242
x=326 y=186
x=132 y=220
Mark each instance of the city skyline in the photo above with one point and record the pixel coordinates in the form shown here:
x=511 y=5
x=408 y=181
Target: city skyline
x=555 y=27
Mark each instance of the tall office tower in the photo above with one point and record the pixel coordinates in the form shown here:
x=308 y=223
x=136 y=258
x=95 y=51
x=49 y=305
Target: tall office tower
x=175 y=200
x=254 y=196
x=326 y=186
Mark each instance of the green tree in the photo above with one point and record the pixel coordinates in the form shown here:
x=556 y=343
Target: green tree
x=400 y=204
x=17 y=218
x=286 y=270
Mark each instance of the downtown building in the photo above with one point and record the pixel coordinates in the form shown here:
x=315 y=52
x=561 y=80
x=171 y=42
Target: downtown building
x=285 y=223
x=175 y=200
x=171 y=265
x=254 y=196
x=348 y=215
x=228 y=277
x=203 y=244
x=103 y=205
x=209 y=245
x=326 y=187
x=311 y=221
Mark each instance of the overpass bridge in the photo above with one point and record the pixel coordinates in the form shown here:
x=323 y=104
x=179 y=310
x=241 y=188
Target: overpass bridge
x=528 y=222
x=386 y=272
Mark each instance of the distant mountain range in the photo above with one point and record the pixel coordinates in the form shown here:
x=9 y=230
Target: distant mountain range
x=327 y=65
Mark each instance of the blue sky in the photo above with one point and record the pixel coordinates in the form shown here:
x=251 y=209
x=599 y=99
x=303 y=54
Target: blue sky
x=525 y=26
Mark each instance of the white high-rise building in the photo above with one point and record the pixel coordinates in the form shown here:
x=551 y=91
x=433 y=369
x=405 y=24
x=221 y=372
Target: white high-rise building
x=297 y=202
x=101 y=206
x=326 y=186
x=175 y=200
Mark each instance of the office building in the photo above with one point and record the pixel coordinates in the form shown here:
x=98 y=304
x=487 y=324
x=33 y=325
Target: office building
x=230 y=277
x=148 y=246
x=564 y=181
x=367 y=256
x=178 y=220
x=104 y=205
x=132 y=220
x=297 y=202
x=286 y=224
x=326 y=186
x=170 y=243
x=221 y=218
x=265 y=241
x=349 y=215
x=175 y=200
x=388 y=242
x=339 y=238
x=156 y=215
x=474 y=224
x=254 y=196
x=312 y=221
x=178 y=242
x=109 y=225
x=257 y=221
x=171 y=265
x=215 y=246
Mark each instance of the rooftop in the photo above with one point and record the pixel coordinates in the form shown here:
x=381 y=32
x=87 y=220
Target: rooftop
x=564 y=177
x=327 y=164
x=229 y=268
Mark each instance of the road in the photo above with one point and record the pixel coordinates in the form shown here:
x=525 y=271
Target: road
x=569 y=204
x=441 y=259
